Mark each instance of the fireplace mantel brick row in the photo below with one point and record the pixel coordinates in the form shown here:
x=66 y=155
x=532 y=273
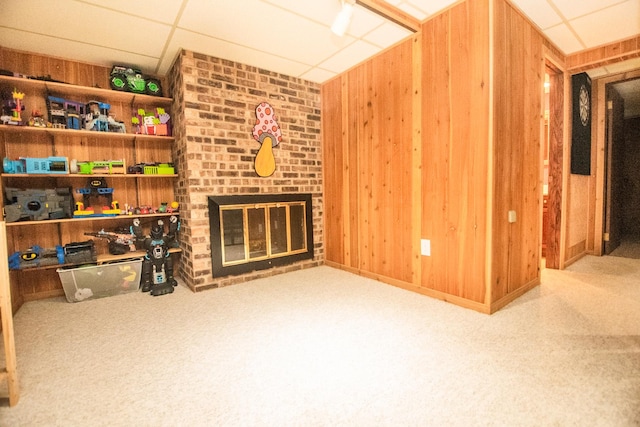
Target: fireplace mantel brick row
x=214 y=151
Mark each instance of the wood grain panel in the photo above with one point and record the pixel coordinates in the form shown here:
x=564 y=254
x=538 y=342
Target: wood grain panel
x=604 y=55
x=65 y=70
x=336 y=208
x=518 y=65
x=368 y=151
x=455 y=131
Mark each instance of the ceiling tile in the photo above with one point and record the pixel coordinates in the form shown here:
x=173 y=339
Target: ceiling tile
x=564 y=39
x=317 y=75
x=621 y=67
x=572 y=9
x=387 y=35
x=539 y=11
x=363 y=21
x=222 y=49
x=413 y=11
x=608 y=25
x=431 y=6
x=597 y=72
x=323 y=11
x=273 y=36
x=45 y=45
x=163 y=11
x=98 y=26
x=349 y=56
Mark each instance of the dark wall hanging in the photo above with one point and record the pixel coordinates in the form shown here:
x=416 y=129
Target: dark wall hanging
x=581 y=124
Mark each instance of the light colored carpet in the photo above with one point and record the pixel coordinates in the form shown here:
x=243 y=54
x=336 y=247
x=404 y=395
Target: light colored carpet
x=322 y=347
x=629 y=248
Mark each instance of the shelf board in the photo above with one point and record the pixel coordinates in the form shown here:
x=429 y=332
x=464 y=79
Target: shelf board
x=78 y=175
x=100 y=94
x=102 y=259
x=85 y=133
x=92 y=218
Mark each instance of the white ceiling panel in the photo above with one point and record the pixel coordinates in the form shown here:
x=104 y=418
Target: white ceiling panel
x=413 y=11
x=349 y=56
x=323 y=11
x=363 y=22
x=564 y=38
x=223 y=49
x=431 y=6
x=55 y=47
x=97 y=27
x=540 y=12
x=622 y=67
x=387 y=35
x=287 y=36
x=571 y=10
x=164 y=11
x=610 y=24
x=318 y=75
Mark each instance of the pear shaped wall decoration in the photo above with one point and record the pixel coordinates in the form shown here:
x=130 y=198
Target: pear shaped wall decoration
x=267 y=132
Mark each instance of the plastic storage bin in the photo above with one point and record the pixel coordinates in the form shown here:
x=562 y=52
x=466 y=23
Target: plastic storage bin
x=98 y=281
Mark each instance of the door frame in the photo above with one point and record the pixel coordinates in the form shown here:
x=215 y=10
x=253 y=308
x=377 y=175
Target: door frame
x=600 y=122
x=557 y=164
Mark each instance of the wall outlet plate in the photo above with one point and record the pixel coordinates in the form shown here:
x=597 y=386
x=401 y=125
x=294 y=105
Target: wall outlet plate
x=425 y=247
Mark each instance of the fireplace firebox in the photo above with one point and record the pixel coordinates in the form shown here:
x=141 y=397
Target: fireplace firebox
x=260 y=231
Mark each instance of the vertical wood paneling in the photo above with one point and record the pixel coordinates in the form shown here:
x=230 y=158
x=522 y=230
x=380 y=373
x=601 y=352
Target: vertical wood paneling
x=369 y=150
x=454 y=207
x=517 y=161
x=333 y=177
x=455 y=131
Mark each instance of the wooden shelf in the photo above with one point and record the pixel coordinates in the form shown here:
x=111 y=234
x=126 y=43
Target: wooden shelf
x=94 y=175
x=93 y=218
x=102 y=259
x=99 y=94
x=85 y=133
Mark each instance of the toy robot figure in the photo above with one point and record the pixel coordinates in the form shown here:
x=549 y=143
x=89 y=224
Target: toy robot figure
x=157 y=266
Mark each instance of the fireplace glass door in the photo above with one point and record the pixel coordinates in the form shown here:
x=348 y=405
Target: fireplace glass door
x=262 y=231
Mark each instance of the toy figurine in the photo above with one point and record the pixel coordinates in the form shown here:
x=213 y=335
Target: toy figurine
x=12 y=110
x=157 y=265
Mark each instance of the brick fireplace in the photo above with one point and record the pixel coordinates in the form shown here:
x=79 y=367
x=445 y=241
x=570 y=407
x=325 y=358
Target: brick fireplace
x=213 y=116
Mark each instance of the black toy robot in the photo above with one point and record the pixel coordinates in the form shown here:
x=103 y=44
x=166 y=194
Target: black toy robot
x=157 y=265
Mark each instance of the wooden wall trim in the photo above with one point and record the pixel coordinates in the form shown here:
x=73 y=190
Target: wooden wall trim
x=604 y=55
x=391 y=13
x=459 y=301
x=490 y=150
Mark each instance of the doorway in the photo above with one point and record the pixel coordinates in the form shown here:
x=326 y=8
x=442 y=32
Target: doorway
x=621 y=214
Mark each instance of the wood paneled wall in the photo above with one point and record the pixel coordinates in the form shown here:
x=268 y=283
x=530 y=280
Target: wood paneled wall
x=455 y=151
x=367 y=145
x=459 y=176
x=518 y=83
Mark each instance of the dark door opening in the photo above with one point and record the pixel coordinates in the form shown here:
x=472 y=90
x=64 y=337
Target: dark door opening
x=622 y=170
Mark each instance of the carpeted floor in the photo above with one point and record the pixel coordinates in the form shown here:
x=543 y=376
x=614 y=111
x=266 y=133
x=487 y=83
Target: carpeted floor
x=322 y=347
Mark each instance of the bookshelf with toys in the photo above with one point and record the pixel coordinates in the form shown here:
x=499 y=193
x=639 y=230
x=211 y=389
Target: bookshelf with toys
x=78 y=160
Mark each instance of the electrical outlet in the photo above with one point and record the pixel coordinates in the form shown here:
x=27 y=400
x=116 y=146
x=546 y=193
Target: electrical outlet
x=512 y=216
x=425 y=247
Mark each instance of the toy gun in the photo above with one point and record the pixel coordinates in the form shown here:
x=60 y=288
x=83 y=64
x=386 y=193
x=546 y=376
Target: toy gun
x=119 y=243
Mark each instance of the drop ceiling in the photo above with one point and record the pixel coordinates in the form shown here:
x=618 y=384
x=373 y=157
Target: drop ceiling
x=292 y=37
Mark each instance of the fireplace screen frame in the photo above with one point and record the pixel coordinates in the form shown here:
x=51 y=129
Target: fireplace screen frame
x=245 y=203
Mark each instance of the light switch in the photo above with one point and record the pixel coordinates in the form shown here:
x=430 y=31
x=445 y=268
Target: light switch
x=512 y=216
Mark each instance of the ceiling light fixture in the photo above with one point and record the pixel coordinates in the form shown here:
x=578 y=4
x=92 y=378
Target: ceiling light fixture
x=342 y=21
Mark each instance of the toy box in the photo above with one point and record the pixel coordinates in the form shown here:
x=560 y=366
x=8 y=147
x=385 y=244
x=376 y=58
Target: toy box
x=98 y=281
